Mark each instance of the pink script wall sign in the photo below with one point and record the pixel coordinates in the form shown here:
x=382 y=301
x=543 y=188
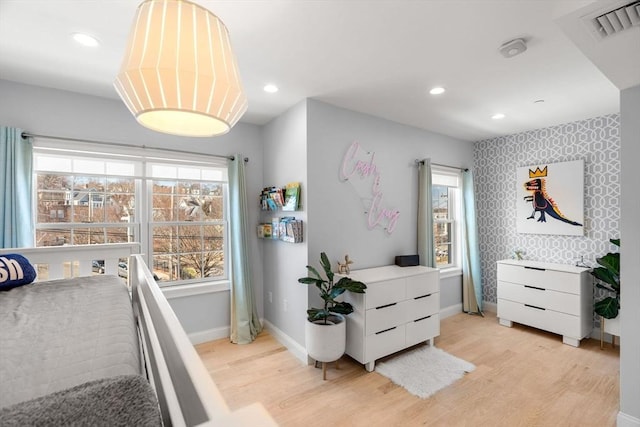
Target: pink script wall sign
x=353 y=165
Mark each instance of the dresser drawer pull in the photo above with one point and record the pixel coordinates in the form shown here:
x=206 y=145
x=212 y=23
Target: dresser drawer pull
x=422 y=318
x=386 y=305
x=423 y=296
x=535 y=268
x=533 y=306
x=386 y=330
x=535 y=287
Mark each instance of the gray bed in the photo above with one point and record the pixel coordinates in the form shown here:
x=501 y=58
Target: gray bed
x=93 y=350
x=51 y=333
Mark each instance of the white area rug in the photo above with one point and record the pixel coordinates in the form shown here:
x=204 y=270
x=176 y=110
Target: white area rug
x=425 y=370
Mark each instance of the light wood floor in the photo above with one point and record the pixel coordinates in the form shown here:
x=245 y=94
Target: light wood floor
x=523 y=377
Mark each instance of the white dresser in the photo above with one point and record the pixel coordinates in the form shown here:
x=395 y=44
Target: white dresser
x=555 y=297
x=399 y=309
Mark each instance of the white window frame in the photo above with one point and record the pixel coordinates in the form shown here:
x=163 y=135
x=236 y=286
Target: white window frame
x=452 y=178
x=143 y=204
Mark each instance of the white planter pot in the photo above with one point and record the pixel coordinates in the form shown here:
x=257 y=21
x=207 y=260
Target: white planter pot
x=326 y=343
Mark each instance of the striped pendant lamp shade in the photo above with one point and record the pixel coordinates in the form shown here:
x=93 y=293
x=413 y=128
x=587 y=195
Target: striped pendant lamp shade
x=179 y=74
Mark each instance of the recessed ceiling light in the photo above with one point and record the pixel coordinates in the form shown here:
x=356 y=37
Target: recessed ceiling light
x=270 y=88
x=498 y=116
x=85 y=39
x=437 y=90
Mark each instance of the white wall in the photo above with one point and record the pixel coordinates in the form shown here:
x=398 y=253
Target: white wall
x=336 y=209
x=66 y=114
x=285 y=160
x=630 y=259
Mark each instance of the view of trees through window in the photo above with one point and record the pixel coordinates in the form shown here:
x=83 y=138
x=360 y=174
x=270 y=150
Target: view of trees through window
x=188 y=229
x=185 y=218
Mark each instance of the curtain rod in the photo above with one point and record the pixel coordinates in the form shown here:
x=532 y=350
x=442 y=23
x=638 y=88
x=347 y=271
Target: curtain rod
x=446 y=166
x=120 y=144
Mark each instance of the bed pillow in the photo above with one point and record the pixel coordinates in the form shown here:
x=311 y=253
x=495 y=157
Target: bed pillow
x=15 y=270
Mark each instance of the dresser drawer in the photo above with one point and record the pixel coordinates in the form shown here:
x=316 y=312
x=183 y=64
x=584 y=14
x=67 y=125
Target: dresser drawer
x=540 y=297
x=540 y=277
x=422 y=330
x=384 y=317
x=384 y=343
x=420 y=307
x=383 y=293
x=423 y=284
x=549 y=320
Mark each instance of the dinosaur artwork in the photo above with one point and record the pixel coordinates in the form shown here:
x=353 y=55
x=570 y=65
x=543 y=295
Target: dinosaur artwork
x=543 y=203
x=563 y=181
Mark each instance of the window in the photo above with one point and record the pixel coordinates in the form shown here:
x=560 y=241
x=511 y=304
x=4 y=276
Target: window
x=176 y=209
x=446 y=212
x=188 y=226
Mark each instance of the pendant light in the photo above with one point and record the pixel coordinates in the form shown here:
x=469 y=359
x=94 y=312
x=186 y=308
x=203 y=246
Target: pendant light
x=179 y=74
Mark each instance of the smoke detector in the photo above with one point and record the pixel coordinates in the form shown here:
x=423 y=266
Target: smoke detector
x=513 y=48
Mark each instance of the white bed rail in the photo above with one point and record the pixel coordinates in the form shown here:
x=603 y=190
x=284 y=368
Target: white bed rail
x=186 y=392
x=59 y=262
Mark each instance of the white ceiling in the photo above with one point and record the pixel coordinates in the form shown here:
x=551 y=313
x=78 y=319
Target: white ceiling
x=378 y=57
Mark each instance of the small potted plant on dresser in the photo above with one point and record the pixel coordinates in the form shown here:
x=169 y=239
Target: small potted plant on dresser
x=608 y=278
x=326 y=329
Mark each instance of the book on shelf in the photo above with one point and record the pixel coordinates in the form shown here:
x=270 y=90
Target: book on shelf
x=291 y=196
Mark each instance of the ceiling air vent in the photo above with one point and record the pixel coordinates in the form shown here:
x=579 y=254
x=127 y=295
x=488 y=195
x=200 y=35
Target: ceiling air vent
x=617 y=20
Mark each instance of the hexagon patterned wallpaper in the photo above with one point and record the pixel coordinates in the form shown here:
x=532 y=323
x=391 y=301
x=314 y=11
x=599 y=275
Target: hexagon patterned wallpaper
x=597 y=141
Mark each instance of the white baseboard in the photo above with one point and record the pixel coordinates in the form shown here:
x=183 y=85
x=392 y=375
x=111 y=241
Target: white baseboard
x=452 y=310
x=292 y=345
x=626 y=420
x=209 y=335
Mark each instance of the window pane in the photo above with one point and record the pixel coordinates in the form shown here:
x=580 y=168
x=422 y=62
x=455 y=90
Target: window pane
x=53 y=182
x=52 y=207
x=53 y=237
x=442 y=233
x=120 y=235
x=440 y=200
x=165 y=240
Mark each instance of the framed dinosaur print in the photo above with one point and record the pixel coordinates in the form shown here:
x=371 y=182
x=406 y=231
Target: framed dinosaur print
x=550 y=198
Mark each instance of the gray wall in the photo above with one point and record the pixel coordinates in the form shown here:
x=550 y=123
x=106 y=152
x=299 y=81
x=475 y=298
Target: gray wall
x=597 y=141
x=630 y=257
x=59 y=113
x=285 y=160
x=336 y=209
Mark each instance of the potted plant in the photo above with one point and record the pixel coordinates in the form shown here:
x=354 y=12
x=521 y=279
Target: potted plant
x=326 y=331
x=608 y=278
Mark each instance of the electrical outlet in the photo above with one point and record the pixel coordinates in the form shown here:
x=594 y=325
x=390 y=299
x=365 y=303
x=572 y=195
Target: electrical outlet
x=270 y=296
x=285 y=303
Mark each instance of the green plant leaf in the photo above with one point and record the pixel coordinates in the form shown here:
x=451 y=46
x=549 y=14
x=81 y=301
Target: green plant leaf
x=607 y=308
x=615 y=242
x=336 y=292
x=342 y=308
x=611 y=262
x=326 y=265
x=606 y=276
x=309 y=280
x=351 y=285
x=314 y=272
x=314 y=314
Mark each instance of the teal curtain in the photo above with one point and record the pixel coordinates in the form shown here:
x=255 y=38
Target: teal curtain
x=471 y=279
x=426 y=249
x=245 y=324
x=16 y=161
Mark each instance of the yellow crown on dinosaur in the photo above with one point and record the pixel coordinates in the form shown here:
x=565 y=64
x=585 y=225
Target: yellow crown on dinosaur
x=538 y=173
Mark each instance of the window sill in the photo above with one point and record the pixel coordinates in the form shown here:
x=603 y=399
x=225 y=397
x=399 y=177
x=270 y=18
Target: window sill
x=446 y=273
x=180 y=291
